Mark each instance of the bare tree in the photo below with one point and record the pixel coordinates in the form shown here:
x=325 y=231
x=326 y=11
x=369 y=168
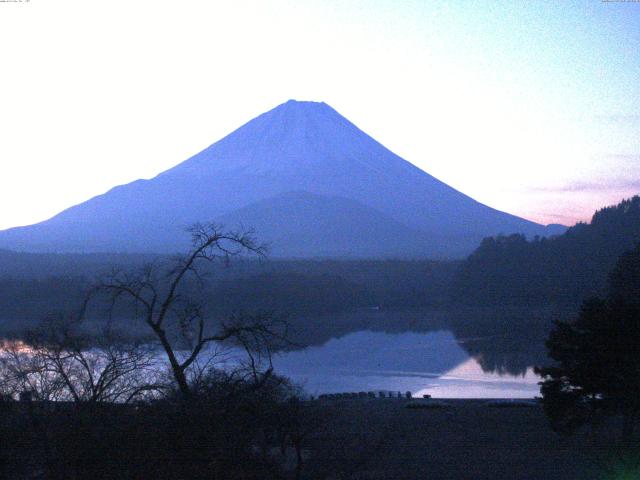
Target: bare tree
x=22 y=371
x=61 y=361
x=175 y=315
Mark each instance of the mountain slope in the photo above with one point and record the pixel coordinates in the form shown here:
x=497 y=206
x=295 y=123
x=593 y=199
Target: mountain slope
x=301 y=224
x=298 y=146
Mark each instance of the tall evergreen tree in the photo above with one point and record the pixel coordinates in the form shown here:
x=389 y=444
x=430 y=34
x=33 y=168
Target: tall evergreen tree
x=597 y=369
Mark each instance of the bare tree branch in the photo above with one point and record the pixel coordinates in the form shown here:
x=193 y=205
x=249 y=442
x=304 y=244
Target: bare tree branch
x=166 y=309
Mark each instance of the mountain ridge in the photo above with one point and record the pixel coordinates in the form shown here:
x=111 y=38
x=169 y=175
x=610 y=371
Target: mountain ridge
x=565 y=269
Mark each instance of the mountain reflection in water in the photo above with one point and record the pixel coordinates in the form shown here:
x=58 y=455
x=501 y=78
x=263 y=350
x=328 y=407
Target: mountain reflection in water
x=422 y=363
x=473 y=353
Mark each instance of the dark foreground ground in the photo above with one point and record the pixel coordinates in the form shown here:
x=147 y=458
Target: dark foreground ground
x=381 y=439
x=337 y=439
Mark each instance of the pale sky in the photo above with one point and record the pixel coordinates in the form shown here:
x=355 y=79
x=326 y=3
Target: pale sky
x=531 y=107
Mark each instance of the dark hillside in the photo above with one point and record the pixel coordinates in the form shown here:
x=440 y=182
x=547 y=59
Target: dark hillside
x=560 y=270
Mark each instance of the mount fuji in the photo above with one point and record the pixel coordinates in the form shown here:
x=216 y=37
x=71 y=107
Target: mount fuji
x=308 y=181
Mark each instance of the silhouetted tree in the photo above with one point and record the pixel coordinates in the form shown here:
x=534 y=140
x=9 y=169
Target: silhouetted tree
x=624 y=282
x=598 y=366
x=61 y=360
x=165 y=301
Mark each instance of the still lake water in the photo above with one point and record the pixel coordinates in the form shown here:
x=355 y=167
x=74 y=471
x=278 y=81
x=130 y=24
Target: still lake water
x=420 y=362
x=410 y=351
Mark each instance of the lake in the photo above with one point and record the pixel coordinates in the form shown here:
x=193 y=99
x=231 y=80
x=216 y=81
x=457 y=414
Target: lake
x=433 y=363
x=477 y=353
